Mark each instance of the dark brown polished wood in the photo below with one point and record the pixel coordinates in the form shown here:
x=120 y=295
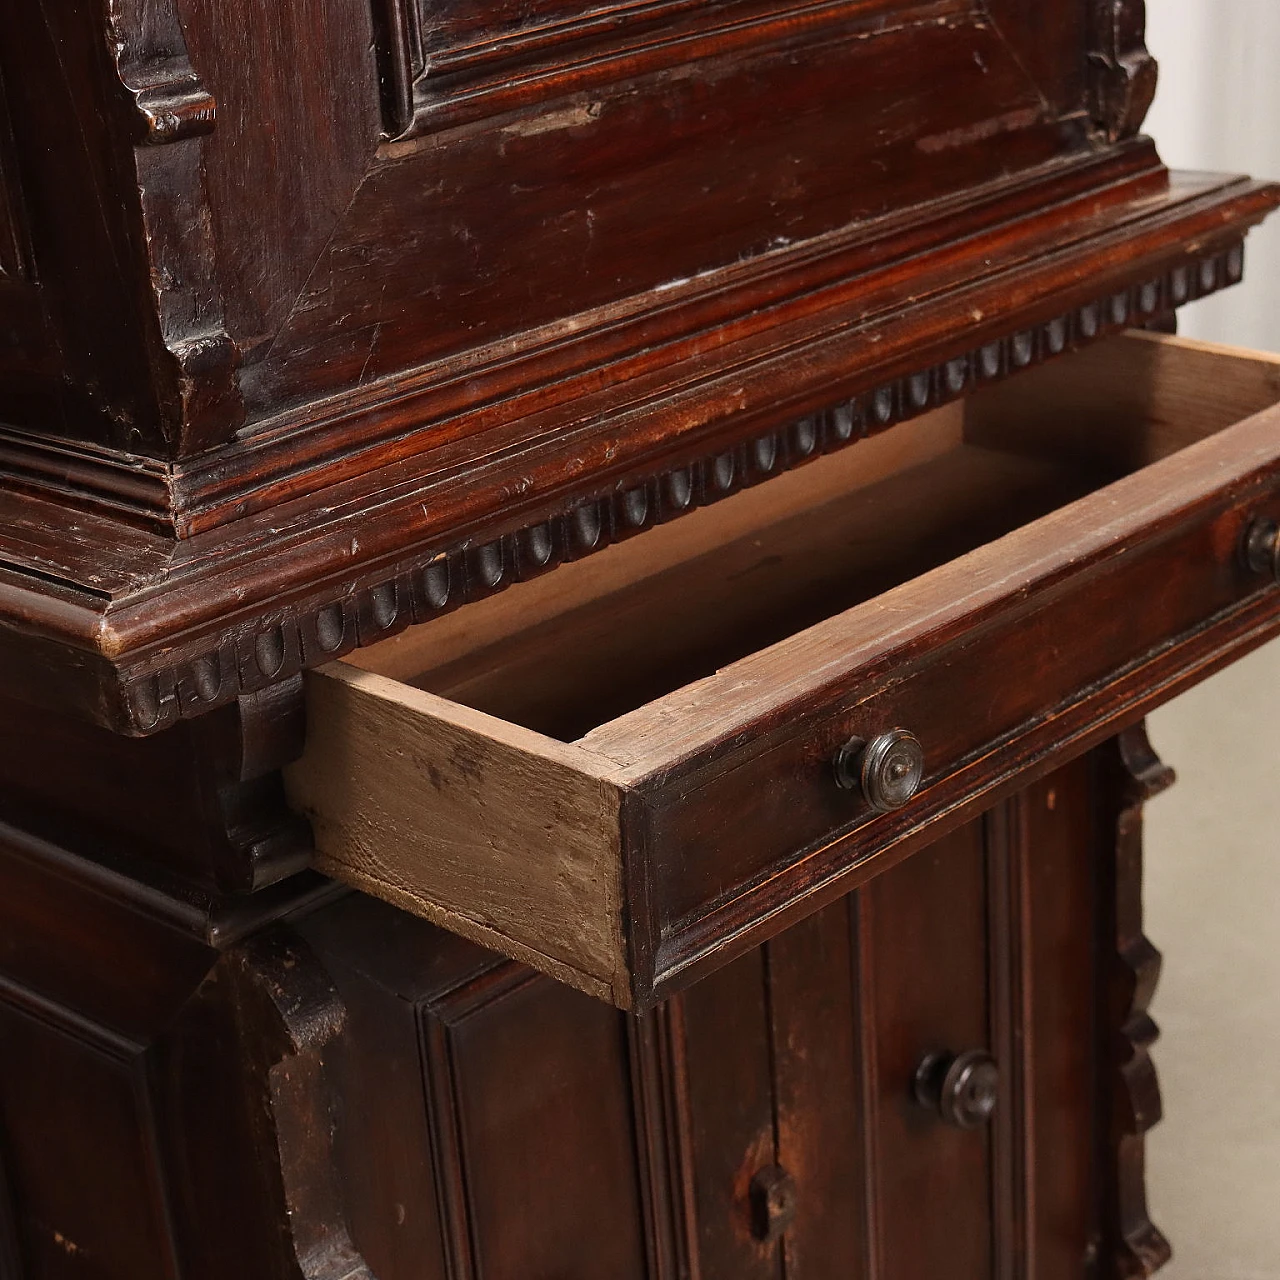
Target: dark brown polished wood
x=322 y=318
x=387 y=289
x=350 y=1092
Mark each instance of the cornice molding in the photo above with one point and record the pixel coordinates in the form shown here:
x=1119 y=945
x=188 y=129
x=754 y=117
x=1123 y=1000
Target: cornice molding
x=186 y=681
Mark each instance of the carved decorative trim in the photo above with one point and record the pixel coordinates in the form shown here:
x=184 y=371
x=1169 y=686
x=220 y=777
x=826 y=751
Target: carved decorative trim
x=173 y=102
x=442 y=64
x=1136 y=1247
x=284 y=991
x=664 y=1139
x=161 y=692
x=173 y=105
x=267 y=841
x=1122 y=73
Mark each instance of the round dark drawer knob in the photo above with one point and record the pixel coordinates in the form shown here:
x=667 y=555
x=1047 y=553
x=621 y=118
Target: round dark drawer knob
x=963 y=1088
x=887 y=770
x=1262 y=547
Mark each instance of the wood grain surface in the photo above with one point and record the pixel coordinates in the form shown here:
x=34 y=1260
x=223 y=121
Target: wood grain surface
x=491 y=831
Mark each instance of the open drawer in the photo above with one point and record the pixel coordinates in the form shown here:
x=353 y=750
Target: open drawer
x=631 y=770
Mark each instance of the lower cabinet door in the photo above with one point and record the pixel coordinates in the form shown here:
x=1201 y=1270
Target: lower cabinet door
x=942 y=1074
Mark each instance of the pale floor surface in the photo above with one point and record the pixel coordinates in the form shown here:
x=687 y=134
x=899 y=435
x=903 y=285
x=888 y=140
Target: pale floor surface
x=1212 y=898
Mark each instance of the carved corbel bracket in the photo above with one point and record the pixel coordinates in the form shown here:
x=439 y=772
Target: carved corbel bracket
x=266 y=841
x=172 y=105
x=172 y=101
x=1122 y=72
x=1134 y=775
x=290 y=1014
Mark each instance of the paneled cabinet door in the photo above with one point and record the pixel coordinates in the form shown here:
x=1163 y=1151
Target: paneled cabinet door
x=917 y=1065
x=942 y=1074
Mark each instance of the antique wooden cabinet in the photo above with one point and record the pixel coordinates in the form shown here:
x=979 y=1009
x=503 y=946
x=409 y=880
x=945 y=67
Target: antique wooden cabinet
x=578 y=587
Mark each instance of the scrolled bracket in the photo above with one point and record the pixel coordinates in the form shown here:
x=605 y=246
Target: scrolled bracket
x=290 y=1017
x=1122 y=72
x=1132 y=775
x=171 y=100
x=173 y=103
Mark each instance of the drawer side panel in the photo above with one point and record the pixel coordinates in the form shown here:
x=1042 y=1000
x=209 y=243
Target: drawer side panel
x=494 y=833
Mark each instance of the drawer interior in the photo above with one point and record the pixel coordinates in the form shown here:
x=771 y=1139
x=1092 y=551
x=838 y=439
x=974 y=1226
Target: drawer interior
x=596 y=639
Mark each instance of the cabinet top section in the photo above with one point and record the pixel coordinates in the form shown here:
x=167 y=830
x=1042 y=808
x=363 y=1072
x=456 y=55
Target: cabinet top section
x=334 y=290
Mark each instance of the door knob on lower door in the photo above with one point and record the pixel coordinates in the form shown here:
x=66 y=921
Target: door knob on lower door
x=961 y=1088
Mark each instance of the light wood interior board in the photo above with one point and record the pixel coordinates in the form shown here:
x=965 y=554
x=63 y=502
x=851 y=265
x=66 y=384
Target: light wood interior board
x=1126 y=402
x=580 y=668
x=688 y=721
x=495 y=833
x=434 y=644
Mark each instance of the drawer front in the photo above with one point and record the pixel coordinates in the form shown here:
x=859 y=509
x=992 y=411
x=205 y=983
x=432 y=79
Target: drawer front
x=680 y=834
x=989 y=694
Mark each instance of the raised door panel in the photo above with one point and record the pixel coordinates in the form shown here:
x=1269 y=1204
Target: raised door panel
x=488 y=1122
x=85 y=1166
x=674 y=183
x=725 y=1074
x=926 y=978
x=534 y=1073
x=465 y=59
x=821 y=1033
x=1053 y=822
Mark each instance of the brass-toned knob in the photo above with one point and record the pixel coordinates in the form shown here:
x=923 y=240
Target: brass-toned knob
x=1262 y=547
x=963 y=1088
x=887 y=770
x=773 y=1203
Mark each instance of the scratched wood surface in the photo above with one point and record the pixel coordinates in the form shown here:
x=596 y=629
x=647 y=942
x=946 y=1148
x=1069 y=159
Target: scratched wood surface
x=500 y=288
x=795 y=1062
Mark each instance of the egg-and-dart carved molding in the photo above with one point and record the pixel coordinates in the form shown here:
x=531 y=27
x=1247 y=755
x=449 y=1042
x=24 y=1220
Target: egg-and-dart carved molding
x=245 y=660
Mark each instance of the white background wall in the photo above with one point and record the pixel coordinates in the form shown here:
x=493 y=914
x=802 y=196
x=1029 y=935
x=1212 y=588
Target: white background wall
x=1213 y=865
x=1218 y=107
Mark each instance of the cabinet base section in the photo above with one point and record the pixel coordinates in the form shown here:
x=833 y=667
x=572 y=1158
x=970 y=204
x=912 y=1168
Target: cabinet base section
x=945 y=1072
